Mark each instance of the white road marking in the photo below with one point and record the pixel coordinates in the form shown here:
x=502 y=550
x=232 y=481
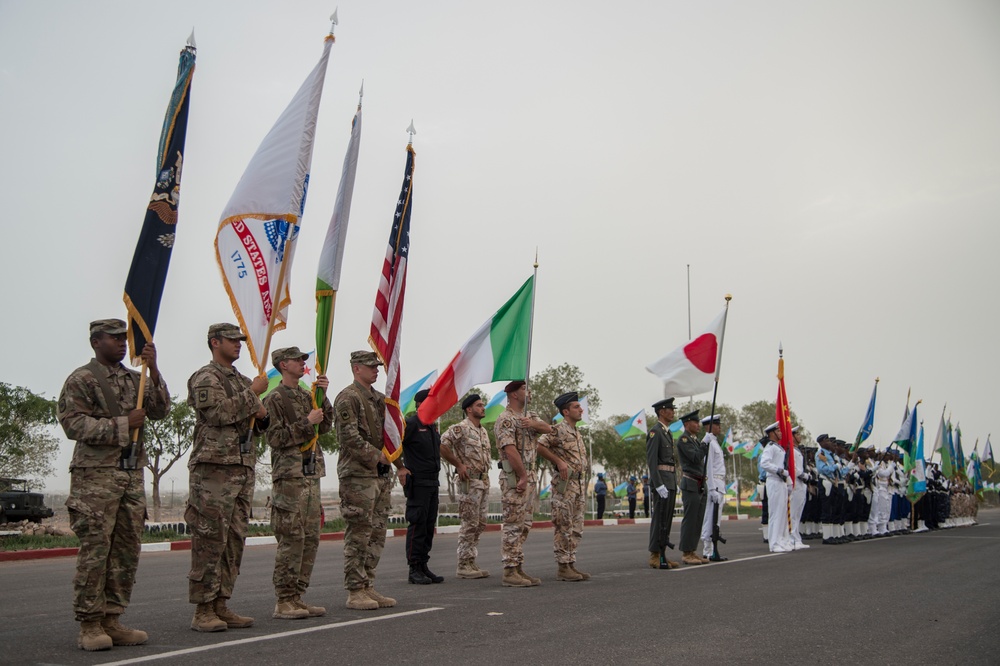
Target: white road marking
x=268 y=637
x=712 y=565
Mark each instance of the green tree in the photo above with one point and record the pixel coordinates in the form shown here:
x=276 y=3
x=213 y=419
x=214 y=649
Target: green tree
x=620 y=458
x=552 y=382
x=167 y=441
x=27 y=445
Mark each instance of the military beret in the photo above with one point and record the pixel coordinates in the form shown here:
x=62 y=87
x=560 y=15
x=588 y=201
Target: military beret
x=690 y=416
x=563 y=401
x=715 y=418
x=229 y=331
x=663 y=404
x=513 y=386
x=421 y=395
x=286 y=354
x=470 y=400
x=362 y=357
x=109 y=326
x=771 y=428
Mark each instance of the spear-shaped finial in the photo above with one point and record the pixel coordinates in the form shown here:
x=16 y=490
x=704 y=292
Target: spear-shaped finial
x=780 y=350
x=536 y=258
x=333 y=20
x=411 y=130
x=191 y=44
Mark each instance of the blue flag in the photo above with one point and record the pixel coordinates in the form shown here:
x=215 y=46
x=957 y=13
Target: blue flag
x=866 y=428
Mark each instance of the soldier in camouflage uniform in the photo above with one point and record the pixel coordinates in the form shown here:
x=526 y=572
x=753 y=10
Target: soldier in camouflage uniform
x=466 y=445
x=107 y=497
x=365 y=482
x=221 y=477
x=517 y=434
x=297 y=466
x=565 y=449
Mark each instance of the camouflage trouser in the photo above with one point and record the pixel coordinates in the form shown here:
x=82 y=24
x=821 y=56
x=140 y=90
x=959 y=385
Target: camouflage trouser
x=364 y=504
x=567 y=519
x=107 y=510
x=516 y=521
x=472 y=511
x=295 y=516
x=217 y=515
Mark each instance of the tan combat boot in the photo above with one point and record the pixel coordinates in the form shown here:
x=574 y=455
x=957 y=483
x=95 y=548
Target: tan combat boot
x=483 y=573
x=534 y=581
x=511 y=578
x=566 y=573
x=122 y=635
x=232 y=620
x=584 y=575
x=690 y=558
x=205 y=618
x=314 y=611
x=467 y=569
x=358 y=600
x=286 y=609
x=654 y=560
x=382 y=600
x=92 y=636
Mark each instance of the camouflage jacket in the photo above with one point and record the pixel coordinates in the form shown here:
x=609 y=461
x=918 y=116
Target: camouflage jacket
x=286 y=432
x=471 y=445
x=509 y=432
x=222 y=416
x=566 y=443
x=360 y=414
x=84 y=415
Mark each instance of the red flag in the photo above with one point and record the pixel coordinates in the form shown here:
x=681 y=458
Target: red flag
x=388 y=315
x=783 y=415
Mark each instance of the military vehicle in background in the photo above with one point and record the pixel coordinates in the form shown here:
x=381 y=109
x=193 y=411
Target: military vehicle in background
x=18 y=503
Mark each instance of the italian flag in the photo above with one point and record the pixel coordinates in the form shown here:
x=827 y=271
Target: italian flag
x=498 y=351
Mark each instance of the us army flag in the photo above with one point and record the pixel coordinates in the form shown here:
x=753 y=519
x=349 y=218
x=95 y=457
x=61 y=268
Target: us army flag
x=146 y=277
x=255 y=243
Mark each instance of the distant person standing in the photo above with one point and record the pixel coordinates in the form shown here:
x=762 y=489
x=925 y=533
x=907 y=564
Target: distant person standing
x=600 y=494
x=422 y=456
x=772 y=462
x=221 y=477
x=645 y=495
x=565 y=449
x=296 y=470
x=107 y=496
x=466 y=445
x=631 y=492
x=660 y=460
x=715 y=479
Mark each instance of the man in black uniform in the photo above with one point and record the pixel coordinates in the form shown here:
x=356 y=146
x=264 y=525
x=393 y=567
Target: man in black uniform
x=660 y=460
x=692 y=455
x=422 y=456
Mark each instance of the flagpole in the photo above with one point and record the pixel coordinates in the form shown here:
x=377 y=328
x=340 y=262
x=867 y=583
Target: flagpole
x=718 y=365
x=531 y=326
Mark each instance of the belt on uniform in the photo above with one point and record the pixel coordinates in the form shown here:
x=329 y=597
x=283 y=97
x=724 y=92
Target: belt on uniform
x=479 y=476
x=665 y=468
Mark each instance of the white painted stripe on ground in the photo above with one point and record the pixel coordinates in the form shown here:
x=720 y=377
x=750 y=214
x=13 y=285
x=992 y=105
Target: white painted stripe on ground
x=712 y=565
x=155 y=547
x=610 y=521
x=261 y=541
x=448 y=529
x=268 y=637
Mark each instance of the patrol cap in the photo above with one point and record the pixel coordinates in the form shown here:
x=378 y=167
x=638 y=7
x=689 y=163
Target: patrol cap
x=563 y=401
x=667 y=403
x=690 y=416
x=645 y=476
x=771 y=428
x=287 y=354
x=363 y=357
x=421 y=395
x=714 y=418
x=600 y=475
x=228 y=331
x=513 y=386
x=632 y=478
x=470 y=400
x=109 y=326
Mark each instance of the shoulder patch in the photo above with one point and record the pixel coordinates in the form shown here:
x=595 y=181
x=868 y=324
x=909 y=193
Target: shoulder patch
x=201 y=396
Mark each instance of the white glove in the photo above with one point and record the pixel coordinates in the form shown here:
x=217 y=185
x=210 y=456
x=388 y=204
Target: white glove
x=662 y=490
x=715 y=496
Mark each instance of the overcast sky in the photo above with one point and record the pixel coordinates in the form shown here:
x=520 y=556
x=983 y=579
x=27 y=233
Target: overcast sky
x=835 y=166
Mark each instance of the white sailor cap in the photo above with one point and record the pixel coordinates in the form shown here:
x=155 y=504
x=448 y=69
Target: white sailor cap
x=774 y=426
x=714 y=418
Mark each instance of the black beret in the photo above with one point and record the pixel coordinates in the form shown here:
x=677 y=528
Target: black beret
x=421 y=395
x=470 y=400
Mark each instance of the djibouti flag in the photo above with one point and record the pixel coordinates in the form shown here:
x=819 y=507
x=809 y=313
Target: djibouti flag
x=634 y=427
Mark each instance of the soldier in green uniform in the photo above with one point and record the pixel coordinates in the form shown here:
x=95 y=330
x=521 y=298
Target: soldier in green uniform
x=297 y=466
x=692 y=454
x=221 y=477
x=663 y=482
x=364 y=487
x=107 y=496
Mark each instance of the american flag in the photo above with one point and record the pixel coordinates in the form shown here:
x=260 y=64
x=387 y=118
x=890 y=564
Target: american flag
x=387 y=319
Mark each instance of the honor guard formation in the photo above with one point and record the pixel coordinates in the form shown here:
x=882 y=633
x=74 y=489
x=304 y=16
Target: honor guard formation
x=831 y=493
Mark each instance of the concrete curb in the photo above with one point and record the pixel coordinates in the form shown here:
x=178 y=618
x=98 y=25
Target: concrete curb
x=166 y=546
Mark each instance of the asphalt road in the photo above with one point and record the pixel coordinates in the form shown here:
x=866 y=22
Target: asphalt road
x=917 y=599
